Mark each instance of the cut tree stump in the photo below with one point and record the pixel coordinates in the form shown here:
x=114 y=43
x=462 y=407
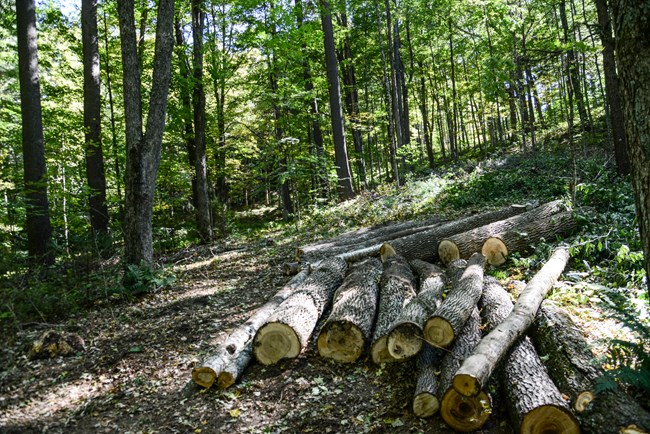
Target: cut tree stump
x=463 y=413
x=405 y=337
x=347 y=330
x=234 y=354
x=497 y=239
x=570 y=363
x=448 y=320
x=475 y=371
x=287 y=331
x=397 y=287
x=425 y=397
x=424 y=245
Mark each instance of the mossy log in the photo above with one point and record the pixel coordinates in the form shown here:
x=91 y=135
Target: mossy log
x=497 y=239
x=448 y=320
x=397 y=286
x=463 y=413
x=570 y=363
x=405 y=337
x=475 y=371
x=348 y=328
x=425 y=397
x=424 y=245
x=233 y=355
x=287 y=331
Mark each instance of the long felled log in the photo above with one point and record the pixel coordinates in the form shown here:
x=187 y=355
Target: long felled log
x=535 y=403
x=405 y=337
x=232 y=357
x=425 y=397
x=463 y=413
x=397 y=287
x=496 y=240
x=287 y=330
x=448 y=320
x=348 y=328
x=570 y=362
x=475 y=371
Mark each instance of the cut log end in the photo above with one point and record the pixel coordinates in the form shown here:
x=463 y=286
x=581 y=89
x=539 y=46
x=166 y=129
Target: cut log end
x=204 y=376
x=495 y=251
x=465 y=384
x=225 y=380
x=275 y=341
x=583 y=400
x=438 y=332
x=465 y=413
x=405 y=341
x=549 y=419
x=425 y=405
x=386 y=251
x=379 y=351
x=448 y=251
x=341 y=341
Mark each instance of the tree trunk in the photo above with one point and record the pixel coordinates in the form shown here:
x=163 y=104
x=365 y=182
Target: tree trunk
x=397 y=287
x=613 y=89
x=346 y=191
x=287 y=330
x=443 y=327
x=515 y=234
x=476 y=370
x=92 y=120
x=404 y=339
x=630 y=27
x=143 y=149
x=347 y=330
x=37 y=225
x=570 y=363
x=231 y=357
x=203 y=219
x=425 y=397
x=463 y=413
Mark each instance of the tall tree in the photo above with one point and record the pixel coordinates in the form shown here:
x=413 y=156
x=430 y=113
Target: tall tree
x=143 y=148
x=92 y=119
x=631 y=18
x=203 y=219
x=37 y=225
x=338 y=132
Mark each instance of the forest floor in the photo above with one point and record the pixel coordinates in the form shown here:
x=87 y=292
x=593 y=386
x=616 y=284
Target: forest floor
x=134 y=374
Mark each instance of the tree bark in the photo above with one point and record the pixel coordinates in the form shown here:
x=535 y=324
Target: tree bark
x=463 y=413
x=425 y=397
x=143 y=149
x=347 y=330
x=476 y=370
x=631 y=29
x=288 y=329
x=231 y=357
x=570 y=363
x=443 y=327
x=404 y=339
x=92 y=119
x=397 y=287
x=37 y=222
x=346 y=191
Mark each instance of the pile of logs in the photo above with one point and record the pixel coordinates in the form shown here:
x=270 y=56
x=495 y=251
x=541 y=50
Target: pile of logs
x=391 y=300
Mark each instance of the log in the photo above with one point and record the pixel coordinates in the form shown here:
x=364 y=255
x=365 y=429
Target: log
x=534 y=402
x=424 y=245
x=463 y=413
x=475 y=371
x=288 y=329
x=497 y=239
x=445 y=324
x=397 y=287
x=570 y=363
x=425 y=397
x=234 y=354
x=344 y=335
x=405 y=337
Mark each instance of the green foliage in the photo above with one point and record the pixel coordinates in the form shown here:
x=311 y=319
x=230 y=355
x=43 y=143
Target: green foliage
x=139 y=279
